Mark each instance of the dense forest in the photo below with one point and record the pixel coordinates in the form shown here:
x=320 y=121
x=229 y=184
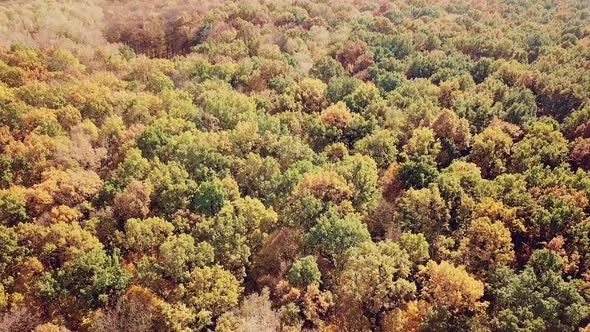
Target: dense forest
x=294 y=165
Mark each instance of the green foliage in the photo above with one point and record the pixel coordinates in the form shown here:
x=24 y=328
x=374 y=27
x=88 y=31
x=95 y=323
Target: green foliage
x=326 y=68
x=418 y=172
x=94 y=279
x=521 y=107
x=144 y=236
x=304 y=272
x=12 y=253
x=179 y=253
x=334 y=234
x=211 y=291
x=376 y=276
x=381 y=146
x=416 y=246
x=542 y=145
x=172 y=187
x=340 y=87
x=536 y=298
x=12 y=208
x=423 y=211
x=227 y=107
x=209 y=197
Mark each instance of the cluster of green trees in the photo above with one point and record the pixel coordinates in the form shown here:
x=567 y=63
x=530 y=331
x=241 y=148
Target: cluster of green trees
x=285 y=166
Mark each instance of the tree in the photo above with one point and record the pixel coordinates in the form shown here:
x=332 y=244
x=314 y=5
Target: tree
x=227 y=106
x=11 y=256
x=304 y=272
x=455 y=297
x=209 y=197
x=423 y=211
x=333 y=235
x=311 y=95
x=479 y=109
x=145 y=236
x=133 y=166
x=94 y=279
x=491 y=151
x=256 y=314
x=454 y=135
x=172 y=187
x=138 y=309
x=276 y=256
x=521 y=107
x=236 y=231
x=325 y=186
x=211 y=291
x=542 y=145
x=49 y=327
x=537 y=298
x=70 y=187
x=580 y=153
x=497 y=211
x=361 y=172
x=336 y=115
x=133 y=202
x=12 y=207
x=57 y=244
x=363 y=96
x=20 y=319
x=326 y=68
x=178 y=254
x=355 y=56
x=418 y=172
x=416 y=246
x=387 y=81
x=376 y=276
x=340 y=87
x=460 y=185
x=381 y=146
x=422 y=143
x=486 y=245
x=259 y=177
x=421 y=67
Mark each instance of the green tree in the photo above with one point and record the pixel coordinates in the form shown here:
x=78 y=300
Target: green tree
x=423 y=211
x=418 y=172
x=145 y=236
x=304 y=272
x=543 y=145
x=377 y=276
x=209 y=197
x=326 y=68
x=361 y=172
x=236 y=231
x=521 y=107
x=172 y=187
x=538 y=298
x=381 y=146
x=210 y=292
x=491 y=151
x=227 y=106
x=178 y=254
x=333 y=235
x=94 y=279
x=12 y=208
x=340 y=87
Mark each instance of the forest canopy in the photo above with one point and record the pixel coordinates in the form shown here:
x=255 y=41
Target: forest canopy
x=294 y=165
